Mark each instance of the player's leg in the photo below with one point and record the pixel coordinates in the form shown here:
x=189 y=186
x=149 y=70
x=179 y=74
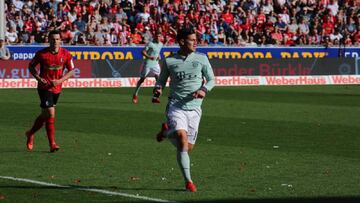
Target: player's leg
x=187 y=142
x=48 y=111
x=177 y=133
x=39 y=121
x=138 y=85
x=183 y=158
x=194 y=118
x=143 y=74
x=50 y=128
x=156 y=71
x=30 y=134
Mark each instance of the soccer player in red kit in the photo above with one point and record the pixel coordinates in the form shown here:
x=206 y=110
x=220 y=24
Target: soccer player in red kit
x=53 y=60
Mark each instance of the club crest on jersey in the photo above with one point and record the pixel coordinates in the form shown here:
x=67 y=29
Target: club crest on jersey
x=62 y=60
x=195 y=64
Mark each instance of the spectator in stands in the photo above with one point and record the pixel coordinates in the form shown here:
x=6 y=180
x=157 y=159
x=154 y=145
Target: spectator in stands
x=328 y=25
x=293 y=27
x=303 y=27
x=136 y=37
x=18 y=4
x=32 y=40
x=348 y=41
x=351 y=26
x=123 y=36
x=74 y=33
x=314 y=37
x=80 y=24
x=221 y=36
x=277 y=36
x=121 y=14
x=65 y=34
x=140 y=26
x=127 y=7
x=333 y=7
x=99 y=36
x=327 y=42
x=53 y=23
x=72 y=15
x=207 y=36
x=114 y=37
x=356 y=36
x=24 y=36
x=147 y=35
x=227 y=16
x=4 y=51
x=267 y=8
x=250 y=42
x=104 y=24
x=11 y=35
x=82 y=39
x=336 y=36
x=281 y=24
x=130 y=42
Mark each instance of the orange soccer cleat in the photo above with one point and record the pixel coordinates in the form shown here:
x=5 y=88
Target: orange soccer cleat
x=54 y=147
x=135 y=99
x=160 y=136
x=190 y=186
x=29 y=141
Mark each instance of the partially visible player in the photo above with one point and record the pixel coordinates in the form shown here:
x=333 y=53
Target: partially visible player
x=4 y=51
x=53 y=60
x=151 y=65
x=191 y=78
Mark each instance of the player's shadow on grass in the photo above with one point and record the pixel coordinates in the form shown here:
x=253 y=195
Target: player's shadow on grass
x=285 y=200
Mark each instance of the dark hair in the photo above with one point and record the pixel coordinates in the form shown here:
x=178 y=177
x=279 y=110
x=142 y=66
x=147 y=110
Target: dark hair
x=54 y=32
x=183 y=33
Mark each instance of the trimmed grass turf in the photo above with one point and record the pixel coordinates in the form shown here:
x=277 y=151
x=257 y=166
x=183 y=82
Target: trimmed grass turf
x=315 y=128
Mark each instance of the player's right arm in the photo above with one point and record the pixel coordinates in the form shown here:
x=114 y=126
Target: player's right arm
x=32 y=68
x=145 y=53
x=161 y=82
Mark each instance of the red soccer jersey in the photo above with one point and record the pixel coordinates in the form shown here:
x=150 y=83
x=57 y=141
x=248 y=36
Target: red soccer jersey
x=52 y=66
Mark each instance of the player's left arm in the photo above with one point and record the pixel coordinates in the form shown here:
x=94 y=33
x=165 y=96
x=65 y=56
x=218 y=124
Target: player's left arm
x=70 y=67
x=208 y=74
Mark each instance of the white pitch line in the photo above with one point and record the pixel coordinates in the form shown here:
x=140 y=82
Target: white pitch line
x=85 y=189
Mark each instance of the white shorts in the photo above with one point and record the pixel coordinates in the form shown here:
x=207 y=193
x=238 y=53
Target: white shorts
x=147 y=70
x=179 y=119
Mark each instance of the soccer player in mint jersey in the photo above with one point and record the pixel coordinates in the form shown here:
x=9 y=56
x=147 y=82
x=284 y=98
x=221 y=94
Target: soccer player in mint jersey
x=53 y=60
x=151 y=65
x=191 y=78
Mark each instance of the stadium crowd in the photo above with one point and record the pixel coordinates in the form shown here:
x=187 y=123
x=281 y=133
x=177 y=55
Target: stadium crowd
x=217 y=22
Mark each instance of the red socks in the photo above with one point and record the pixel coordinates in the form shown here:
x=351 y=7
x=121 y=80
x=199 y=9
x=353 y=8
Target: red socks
x=50 y=130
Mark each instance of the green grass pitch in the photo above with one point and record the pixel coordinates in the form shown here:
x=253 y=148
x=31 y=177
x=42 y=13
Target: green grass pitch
x=255 y=144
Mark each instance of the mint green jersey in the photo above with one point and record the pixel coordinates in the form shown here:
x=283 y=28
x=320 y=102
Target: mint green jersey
x=153 y=49
x=187 y=75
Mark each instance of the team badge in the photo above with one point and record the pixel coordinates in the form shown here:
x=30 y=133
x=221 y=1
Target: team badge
x=195 y=64
x=61 y=60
